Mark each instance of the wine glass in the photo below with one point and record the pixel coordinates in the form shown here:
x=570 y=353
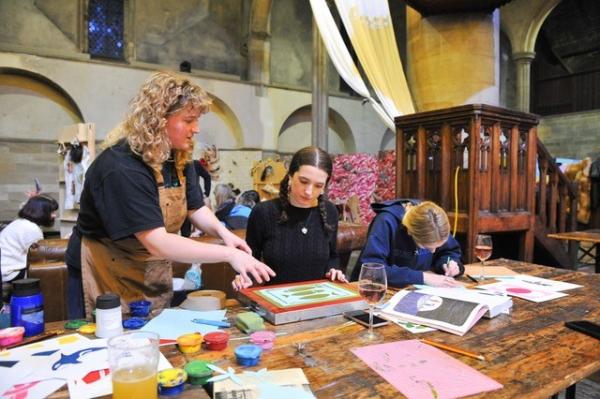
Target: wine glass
x=372 y=285
x=483 y=250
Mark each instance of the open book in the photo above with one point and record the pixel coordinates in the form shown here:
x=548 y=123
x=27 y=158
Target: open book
x=452 y=315
x=496 y=303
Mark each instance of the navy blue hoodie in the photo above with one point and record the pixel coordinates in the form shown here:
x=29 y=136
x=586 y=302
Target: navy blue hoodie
x=388 y=243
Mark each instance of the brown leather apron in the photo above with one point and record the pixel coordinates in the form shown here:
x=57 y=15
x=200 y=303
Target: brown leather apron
x=125 y=267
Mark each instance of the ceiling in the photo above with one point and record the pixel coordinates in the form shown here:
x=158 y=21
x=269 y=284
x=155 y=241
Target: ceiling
x=434 y=7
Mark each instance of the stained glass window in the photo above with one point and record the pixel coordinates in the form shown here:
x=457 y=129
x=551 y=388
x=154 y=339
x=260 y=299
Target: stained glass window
x=105 y=29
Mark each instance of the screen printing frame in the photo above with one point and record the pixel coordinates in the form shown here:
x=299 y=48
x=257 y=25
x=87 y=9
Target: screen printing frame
x=280 y=315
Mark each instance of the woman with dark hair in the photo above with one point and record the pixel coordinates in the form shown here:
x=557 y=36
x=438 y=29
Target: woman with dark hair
x=296 y=233
x=22 y=233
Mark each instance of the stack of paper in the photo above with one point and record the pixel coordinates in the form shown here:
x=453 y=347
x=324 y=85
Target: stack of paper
x=531 y=288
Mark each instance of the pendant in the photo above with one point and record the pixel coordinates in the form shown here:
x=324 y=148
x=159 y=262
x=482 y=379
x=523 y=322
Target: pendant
x=304 y=230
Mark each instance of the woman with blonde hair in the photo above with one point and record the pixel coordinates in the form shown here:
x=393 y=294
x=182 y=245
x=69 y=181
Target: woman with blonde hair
x=412 y=239
x=137 y=194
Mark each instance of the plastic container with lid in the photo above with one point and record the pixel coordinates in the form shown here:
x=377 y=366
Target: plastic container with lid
x=171 y=381
x=265 y=339
x=248 y=355
x=189 y=343
x=139 y=308
x=198 y=372
x=11 y=335
x=27 y=306
x=108 y=315
x=216 y=340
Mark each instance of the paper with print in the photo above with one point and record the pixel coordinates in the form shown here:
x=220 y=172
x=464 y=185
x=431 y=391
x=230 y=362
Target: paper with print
x=421 y=371
x=523 y=290
x=172 y=323
x=544 y=283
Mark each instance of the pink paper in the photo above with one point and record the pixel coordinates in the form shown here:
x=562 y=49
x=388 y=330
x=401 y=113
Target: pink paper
x=422 y=371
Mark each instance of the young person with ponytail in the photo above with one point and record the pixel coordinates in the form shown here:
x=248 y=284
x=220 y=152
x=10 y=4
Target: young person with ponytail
x=295 y=234
x=412 y=239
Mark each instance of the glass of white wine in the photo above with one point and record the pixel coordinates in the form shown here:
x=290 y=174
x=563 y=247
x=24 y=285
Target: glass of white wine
x=372 y=285
x=483 y=250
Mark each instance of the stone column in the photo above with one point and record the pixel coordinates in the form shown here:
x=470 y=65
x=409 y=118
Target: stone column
x=523 y=65
x=259 y=54
x=453 y=59
x=320 y=101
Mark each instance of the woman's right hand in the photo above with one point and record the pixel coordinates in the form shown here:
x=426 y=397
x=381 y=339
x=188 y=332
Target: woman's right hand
x=437 y=280
x=247 y=265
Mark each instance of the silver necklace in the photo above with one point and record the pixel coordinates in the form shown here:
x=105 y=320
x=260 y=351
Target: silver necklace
x=304 y=229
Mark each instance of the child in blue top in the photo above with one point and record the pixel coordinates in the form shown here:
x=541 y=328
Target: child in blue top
x=412 y=239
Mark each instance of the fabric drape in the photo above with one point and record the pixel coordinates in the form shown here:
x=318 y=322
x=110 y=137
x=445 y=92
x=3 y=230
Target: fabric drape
x=340 y=56
x=369 y=26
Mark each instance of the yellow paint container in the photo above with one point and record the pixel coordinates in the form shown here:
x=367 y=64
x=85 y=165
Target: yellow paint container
x=189 y=343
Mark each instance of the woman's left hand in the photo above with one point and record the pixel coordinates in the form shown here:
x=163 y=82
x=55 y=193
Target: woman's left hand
x=231 y=240
x=336 y=274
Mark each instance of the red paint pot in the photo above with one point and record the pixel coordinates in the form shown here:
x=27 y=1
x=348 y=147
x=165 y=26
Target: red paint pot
x=216 y=341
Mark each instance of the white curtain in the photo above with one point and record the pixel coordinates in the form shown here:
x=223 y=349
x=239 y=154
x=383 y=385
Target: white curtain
x=369 y=26
x=340 y=56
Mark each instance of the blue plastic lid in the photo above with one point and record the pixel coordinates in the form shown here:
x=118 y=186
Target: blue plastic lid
x=248 y=351
x=134 y=323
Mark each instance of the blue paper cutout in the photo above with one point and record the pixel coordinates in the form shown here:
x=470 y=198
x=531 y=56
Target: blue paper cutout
x=46 y=353
x=73 y=358
x=8 y=363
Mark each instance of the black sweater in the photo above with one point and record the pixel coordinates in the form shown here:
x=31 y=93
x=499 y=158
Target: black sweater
x=293 y=255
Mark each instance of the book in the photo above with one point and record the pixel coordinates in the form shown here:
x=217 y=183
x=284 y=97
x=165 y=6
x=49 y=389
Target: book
x=496 y=303
x=455 y=316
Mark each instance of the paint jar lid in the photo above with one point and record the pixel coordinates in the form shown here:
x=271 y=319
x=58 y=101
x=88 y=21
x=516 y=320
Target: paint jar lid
x=198 y=372
x=262 y=337
x=249 y=351
x=108 y=301
x=171 y=377
x=26 y=287
x=134 y=323
x=216 y=337
x=75 y=324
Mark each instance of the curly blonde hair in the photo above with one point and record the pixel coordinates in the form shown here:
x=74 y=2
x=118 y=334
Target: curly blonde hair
x=163 y=94
x=427 y=223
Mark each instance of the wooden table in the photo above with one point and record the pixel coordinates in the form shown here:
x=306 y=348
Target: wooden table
x=530 y=351
x=591 y=236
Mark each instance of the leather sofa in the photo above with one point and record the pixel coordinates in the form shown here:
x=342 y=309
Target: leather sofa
x=46 y=261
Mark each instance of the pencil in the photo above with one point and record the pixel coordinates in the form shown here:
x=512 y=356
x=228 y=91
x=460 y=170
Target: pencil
x=453 y=349
x=34 y=339
x=473 y=279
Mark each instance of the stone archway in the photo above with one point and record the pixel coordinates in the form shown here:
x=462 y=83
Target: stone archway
x=340 y=127
x=220 y=119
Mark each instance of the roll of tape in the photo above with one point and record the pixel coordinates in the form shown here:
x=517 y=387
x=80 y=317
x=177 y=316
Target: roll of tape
x=204 y=300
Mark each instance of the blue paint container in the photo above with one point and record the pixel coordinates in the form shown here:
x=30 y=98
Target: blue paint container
x=139 y=308
x=134 y=323
x=248 y=355
x=27 y=306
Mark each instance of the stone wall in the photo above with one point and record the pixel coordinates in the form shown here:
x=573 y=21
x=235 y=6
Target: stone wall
x=575 y=135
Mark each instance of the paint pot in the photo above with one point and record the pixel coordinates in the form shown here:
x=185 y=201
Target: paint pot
x=27 y=306
x=75 y=324
x=139 y=308
x=89 y=328
x=108 y=315
x=134 y=323
x=189 y=343
x=265 y=339
x=171 y=381
x=216 y=340
x=248 y=355
x=11 y=335
x=198 y=372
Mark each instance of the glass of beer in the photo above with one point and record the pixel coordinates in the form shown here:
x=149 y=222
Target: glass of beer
x=133 y=360
x=372 y=285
